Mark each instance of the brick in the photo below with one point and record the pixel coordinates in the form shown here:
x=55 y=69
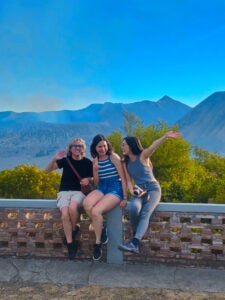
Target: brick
x=176 y=238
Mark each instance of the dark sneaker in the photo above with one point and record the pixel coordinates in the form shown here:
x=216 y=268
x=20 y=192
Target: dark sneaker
x=104 y=236
x=130 y=247
x=74 y=234
x=97 y=254
x=72 y=249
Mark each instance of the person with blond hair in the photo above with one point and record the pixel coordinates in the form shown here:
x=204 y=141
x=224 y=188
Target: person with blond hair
x=70 y=197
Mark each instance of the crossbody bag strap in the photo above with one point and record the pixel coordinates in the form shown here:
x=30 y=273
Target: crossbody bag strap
x=73 y=168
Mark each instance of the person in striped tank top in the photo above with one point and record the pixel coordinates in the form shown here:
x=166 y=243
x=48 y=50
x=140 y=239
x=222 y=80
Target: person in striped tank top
x=111 y=188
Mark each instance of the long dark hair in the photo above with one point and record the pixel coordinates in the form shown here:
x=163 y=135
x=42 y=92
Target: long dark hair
x=135 y=146
x=98 y=138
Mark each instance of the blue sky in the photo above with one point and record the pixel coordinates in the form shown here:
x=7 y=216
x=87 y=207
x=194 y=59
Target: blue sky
x=67 y=54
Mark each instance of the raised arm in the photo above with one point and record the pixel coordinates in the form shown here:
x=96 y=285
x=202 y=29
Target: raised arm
x=170 y=134
x=52 y=165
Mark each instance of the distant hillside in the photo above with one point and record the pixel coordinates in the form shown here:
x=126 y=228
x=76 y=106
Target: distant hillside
x=204 y=125
x=36 y=143
x=33 y=138
x=165 y=109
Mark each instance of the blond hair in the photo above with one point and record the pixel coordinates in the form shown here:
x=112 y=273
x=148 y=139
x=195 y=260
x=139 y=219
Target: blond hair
x=72 y=142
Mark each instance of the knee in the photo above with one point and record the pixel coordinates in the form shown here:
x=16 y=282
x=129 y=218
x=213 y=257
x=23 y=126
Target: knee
x=134 y=209
x=73 y=208
x=87 y=206
x=96 y=213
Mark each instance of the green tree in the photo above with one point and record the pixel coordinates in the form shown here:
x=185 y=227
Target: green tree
x=130 y=123
x=185 y=175
x=213 y=187
x=115 y=139
x=28 y=182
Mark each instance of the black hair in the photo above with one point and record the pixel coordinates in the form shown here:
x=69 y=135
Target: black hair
x=135 y=146
x=98 y=138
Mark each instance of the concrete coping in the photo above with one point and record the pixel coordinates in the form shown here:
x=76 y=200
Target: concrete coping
x=162 y=207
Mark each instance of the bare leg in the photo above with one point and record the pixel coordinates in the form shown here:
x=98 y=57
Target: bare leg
x=104 y=205
x=90 y=201
x=74 y=213
x=97 y=220
x=67 y=225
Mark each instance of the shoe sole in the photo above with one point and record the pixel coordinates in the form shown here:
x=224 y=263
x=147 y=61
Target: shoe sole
x=96 y=259
x=100 y=250
x=105 y=242
x=127 y=250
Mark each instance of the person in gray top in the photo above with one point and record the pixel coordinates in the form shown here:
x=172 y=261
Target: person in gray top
x=144 y=188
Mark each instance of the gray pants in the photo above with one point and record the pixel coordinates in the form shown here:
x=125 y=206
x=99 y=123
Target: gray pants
x=141 y=209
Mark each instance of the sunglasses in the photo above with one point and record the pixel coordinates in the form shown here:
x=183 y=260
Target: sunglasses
x=76 y=146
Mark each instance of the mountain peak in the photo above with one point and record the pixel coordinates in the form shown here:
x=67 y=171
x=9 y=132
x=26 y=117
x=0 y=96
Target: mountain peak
x=168 y=101
x=165 y=98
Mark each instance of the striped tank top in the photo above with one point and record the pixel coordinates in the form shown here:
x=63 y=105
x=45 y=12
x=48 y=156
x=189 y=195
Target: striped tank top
x=107 y=170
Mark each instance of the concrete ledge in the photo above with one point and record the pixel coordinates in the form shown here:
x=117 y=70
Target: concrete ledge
x=28 y=203
x=191 y=207
x=162 y=207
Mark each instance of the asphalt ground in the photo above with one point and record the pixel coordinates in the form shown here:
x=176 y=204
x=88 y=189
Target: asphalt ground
x=88 y=273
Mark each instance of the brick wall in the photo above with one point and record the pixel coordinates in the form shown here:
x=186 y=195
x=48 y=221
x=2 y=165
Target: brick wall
x=190 y=238
x=38 y=232
x=192 y=234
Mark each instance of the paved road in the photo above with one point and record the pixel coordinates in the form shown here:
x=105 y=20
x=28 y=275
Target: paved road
x=76 y=273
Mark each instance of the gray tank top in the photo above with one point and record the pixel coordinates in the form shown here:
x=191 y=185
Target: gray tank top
x=139 y=172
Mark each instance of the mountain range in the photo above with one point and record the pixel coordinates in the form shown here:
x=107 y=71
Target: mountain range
x=33 y=138
x=111 y=113
x=204 y=125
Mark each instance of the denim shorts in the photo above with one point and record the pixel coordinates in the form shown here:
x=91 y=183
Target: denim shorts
x=111 y=186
